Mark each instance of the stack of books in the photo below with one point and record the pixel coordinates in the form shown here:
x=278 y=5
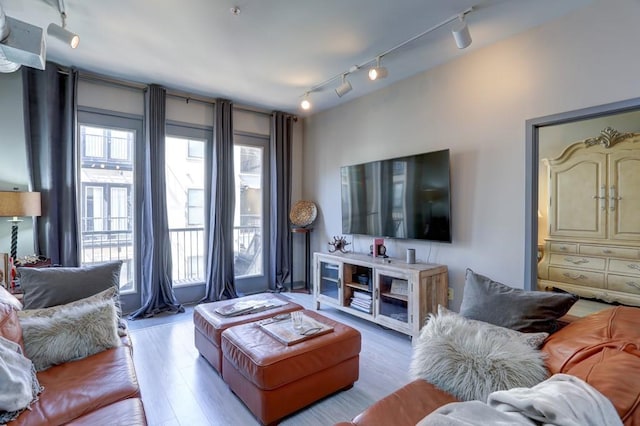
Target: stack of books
x=361 y=301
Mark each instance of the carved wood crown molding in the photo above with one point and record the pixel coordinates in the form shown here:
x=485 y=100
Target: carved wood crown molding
x=608 y=138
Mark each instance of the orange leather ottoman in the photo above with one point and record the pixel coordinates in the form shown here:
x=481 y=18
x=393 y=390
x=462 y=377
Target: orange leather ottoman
x=209 y=325
x=275 y=380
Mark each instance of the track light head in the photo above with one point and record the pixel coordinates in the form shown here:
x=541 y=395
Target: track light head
x=344 y=88
x=461 y=33
x=377 y=72
x=306 y=103
x=64 y=35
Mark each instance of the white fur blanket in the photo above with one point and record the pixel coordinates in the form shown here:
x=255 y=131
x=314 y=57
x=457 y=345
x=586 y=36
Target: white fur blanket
x=561 y=400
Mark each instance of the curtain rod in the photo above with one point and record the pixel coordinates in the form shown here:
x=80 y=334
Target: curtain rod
x=91 y=76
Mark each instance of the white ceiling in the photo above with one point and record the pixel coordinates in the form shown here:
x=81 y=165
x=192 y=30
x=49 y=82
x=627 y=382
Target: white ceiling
x=274 y=50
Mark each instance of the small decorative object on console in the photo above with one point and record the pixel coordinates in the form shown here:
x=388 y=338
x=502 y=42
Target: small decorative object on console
x=377 y=249
x=339 y=244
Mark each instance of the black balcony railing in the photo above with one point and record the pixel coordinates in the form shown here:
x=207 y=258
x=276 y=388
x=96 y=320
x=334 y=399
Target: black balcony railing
x=187 y=250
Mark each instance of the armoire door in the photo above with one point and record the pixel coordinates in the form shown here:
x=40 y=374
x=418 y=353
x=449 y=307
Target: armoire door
x=624 y=195
x=577 y=191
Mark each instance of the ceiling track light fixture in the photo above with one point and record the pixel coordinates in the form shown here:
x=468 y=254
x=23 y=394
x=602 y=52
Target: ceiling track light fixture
x=378 y=72
x=61 y=32
x=305 y=104
x=460 y=33
x=344 y=88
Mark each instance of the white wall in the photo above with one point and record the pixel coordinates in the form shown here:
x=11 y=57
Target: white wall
x=477 y=106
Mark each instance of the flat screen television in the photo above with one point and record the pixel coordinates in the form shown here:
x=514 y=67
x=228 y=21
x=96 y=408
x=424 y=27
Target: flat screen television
x=406 y=197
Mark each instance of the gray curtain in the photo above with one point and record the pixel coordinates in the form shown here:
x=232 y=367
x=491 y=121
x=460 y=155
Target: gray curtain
x=220 y=202
x=50 y=118
x=280 y=238
x=156 y=287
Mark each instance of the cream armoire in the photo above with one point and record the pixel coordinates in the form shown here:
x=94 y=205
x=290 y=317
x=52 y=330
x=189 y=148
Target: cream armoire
x=593 y=243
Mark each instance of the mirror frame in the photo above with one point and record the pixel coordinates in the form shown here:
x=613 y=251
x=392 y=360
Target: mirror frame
x=531 y=173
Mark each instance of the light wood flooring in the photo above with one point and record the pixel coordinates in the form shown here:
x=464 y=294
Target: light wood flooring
x=179 y=387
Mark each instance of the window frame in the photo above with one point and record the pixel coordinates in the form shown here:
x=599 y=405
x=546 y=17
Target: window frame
x=96 y=117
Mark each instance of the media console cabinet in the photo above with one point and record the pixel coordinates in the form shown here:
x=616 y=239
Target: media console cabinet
x=386 y=291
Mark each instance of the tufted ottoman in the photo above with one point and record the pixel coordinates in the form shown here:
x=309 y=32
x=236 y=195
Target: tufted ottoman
x=275 y=380
x=209 y=325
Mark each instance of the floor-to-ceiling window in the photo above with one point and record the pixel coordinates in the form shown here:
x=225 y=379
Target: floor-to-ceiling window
x=251 y=217
x=107 y=179
x=185 y=185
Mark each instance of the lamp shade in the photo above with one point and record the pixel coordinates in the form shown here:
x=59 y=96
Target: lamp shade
x=14 y=203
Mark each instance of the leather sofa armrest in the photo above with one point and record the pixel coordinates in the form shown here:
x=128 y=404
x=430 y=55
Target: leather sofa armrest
x=406 y=406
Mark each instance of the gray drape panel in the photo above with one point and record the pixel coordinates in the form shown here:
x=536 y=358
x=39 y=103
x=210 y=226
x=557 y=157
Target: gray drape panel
x=280 y=238
x=156 y=287
x=50 y=116
x=220 y=203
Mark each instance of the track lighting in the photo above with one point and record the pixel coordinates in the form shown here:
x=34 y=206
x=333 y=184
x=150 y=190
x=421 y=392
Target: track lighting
x=344 y=88
x=378 y=72
x=64 y=35
x=61 y=32
x=306 y=103
x=461 y=33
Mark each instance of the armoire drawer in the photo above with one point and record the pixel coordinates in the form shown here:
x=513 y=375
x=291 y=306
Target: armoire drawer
x=579 y=277
x=578 y=261
x=624 y=266
x=624 y=252
x=623 y=283
x=563 y=247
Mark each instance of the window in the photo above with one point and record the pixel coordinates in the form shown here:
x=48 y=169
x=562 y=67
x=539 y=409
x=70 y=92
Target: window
x=195 y=149
x=93 y=207
x=185 y=185
x=119 y=205
x=195 y=207
x=107 y=180
x=251 y=218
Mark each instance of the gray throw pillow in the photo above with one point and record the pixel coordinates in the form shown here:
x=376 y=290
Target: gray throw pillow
x=45 y=287
x=527 y=311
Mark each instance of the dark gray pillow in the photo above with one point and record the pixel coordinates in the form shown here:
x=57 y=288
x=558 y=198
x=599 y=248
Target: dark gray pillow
x=45 y=287
x=527 y=311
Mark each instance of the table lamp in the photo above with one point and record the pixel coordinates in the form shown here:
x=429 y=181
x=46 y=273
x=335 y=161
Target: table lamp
x=17 y=204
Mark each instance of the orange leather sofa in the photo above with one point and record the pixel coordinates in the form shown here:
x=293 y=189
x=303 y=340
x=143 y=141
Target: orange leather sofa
x=98 y=390
x=602 y=349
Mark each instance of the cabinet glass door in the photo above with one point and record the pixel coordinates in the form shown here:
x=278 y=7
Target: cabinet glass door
x=393 y=298
x=329 y=281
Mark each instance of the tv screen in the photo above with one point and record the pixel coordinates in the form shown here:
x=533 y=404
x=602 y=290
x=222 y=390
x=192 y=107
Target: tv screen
x=407 y=197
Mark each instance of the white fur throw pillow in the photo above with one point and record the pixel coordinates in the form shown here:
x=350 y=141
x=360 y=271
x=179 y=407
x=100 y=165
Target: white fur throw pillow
x=470 y=360
x=110 y=293
x=72 y=333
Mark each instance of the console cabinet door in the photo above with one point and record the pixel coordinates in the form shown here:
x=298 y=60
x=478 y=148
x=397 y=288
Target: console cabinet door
x=624 y=195
x=393 y=300
x=578 y=197
x=328 y=281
